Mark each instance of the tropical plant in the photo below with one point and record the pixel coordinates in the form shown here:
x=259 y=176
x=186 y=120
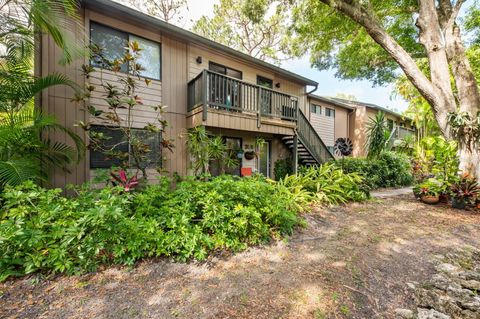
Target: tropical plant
x=42 y=230
x=121 y=179
x=204 y=147
x=122 y=100
x=378 y=135
x=20 y=20
x=466 y=189
x=327 y=184
x=440 y=157
x=389 y=169
x=430 y=187
x=27 y=152
x=282 y=167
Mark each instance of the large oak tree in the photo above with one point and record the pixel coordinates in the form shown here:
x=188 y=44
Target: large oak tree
x=372 y=39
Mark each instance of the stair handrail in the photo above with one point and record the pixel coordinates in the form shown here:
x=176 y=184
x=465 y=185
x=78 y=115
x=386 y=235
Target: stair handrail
x=304 y=128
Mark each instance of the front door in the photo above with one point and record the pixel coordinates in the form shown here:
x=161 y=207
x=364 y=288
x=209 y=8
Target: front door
x=264 y=159
x=266 y=95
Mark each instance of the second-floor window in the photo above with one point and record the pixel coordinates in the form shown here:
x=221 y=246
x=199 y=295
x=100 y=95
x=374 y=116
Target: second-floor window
x=113 y=43
x=316 y=109
x=329 y=112
x=215 y=67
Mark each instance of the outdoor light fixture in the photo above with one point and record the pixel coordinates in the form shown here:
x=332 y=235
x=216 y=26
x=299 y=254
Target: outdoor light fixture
x=199 y=60
x=277 y=85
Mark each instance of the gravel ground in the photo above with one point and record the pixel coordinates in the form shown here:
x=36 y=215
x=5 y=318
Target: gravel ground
x=353 y=261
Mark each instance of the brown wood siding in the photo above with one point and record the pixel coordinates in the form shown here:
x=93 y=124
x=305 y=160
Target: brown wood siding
x=239 y=121
x=57 y=101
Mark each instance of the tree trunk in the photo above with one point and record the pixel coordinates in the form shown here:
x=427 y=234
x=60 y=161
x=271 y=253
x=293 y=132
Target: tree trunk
x=441 y=38
x=469 y=160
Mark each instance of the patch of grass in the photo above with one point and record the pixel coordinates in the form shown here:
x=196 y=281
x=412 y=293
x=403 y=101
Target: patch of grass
x=319 y=314
x=244 y=298
x=345 y=310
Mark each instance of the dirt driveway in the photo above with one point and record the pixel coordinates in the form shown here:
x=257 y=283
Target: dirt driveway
x=348 y=262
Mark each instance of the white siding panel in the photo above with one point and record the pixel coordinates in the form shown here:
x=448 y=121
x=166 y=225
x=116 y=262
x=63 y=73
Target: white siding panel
x=324 y=126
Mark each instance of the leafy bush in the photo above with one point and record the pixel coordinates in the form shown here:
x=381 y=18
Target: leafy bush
x=431 y=187
x=282 y=168
x=326 y=184
x=389 y=169
x=41 y=230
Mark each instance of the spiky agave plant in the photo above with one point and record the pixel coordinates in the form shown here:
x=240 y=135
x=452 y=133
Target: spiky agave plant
x=377 y=135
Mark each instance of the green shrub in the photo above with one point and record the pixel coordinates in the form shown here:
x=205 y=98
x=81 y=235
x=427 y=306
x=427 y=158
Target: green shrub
x=326 y=184
x=389 y=169
x=282 y=168
x=41 y=230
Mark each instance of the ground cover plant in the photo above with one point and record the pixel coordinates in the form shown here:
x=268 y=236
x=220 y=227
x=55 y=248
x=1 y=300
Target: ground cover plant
x=43 y=230
x=389 y=169
x=326 y=184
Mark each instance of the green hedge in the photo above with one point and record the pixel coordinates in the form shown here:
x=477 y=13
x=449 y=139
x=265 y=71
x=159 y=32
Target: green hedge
x=389 y=169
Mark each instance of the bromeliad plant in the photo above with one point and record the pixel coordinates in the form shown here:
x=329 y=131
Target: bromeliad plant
x=121 y=179
x=122 y=102
x=430 y=187
x=466 y=190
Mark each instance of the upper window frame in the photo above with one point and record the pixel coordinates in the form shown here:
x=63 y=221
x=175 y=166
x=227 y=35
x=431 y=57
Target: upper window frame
x=210 y=63
x=314 y=107
x=330 y=112
x=128 y=36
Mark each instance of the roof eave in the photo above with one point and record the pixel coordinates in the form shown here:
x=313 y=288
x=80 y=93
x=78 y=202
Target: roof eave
x=111 y=7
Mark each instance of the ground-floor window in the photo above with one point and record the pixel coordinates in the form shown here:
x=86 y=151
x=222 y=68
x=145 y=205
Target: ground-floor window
x=113 y=140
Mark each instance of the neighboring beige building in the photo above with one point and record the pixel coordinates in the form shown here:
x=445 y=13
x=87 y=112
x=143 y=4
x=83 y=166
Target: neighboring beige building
x=351 y=119
x=330 y=118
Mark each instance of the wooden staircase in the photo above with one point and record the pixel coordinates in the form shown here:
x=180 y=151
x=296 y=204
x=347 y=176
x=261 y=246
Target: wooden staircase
x=307 y=144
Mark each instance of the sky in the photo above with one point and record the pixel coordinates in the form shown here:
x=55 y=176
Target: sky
x=329 y=85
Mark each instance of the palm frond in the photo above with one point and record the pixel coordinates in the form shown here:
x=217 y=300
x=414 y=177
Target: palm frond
x=18 y=170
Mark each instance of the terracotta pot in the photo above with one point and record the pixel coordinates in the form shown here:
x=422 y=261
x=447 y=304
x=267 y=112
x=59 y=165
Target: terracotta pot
x=429 y=199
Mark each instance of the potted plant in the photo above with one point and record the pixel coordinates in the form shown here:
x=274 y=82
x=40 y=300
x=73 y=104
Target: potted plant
x=464 y=192
x=429 y=191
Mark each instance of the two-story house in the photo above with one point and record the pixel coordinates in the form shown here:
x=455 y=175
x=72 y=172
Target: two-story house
x=200 y=82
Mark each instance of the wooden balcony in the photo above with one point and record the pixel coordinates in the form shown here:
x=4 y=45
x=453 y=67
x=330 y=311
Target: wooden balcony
x=217 y=100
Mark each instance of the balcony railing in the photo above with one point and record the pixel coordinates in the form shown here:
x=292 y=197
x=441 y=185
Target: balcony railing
x=403 y=132
x=218 y=91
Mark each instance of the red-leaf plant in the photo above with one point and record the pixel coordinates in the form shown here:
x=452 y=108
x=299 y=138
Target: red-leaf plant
x=123 y=180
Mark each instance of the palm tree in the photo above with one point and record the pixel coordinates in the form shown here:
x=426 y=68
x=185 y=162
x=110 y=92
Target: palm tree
x=26 y=151
x=21 y=20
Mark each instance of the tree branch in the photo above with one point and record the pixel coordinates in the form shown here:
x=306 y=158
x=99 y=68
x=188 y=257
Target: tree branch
x=373 y=27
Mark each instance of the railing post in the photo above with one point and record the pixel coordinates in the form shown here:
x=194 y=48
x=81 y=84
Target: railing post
x=204 y=95
x=295 y=153
x=259 y=107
